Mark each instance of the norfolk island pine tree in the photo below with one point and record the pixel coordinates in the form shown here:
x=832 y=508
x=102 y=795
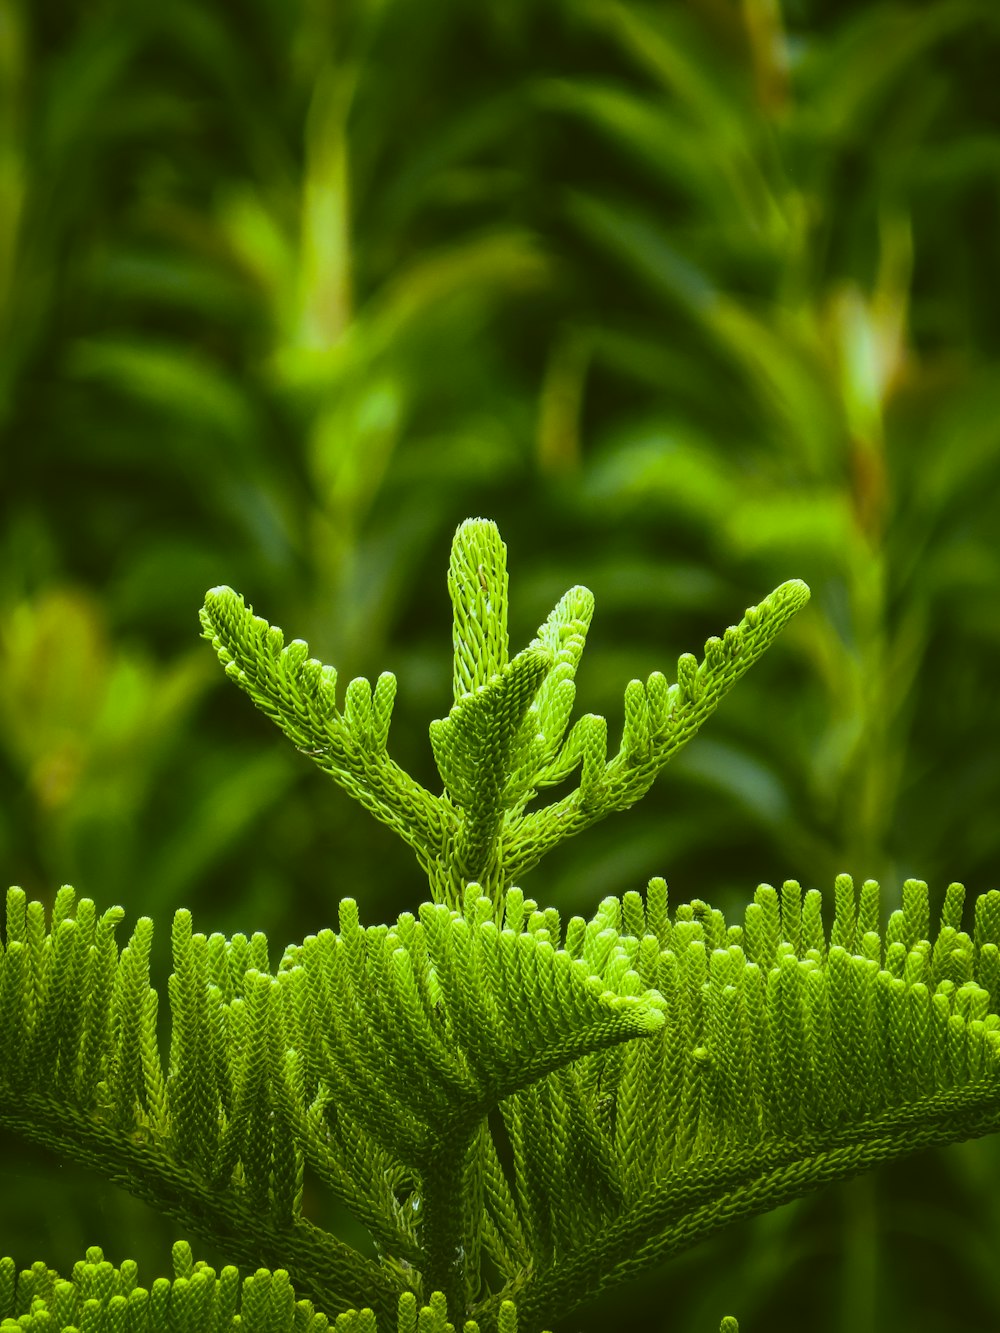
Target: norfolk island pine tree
x=521 y=1113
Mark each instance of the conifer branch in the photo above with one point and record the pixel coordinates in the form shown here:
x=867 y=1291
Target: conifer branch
x=100 y=1298
x=475 y=1079
x=634 y=1245
x=299 y=694
x=328 y=1271
x=659 y=721
x=749 y=1099
x=80 y=1073
x=505 y=738
x=393 y=1043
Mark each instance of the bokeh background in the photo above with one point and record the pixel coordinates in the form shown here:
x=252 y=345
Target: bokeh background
x=691 y=297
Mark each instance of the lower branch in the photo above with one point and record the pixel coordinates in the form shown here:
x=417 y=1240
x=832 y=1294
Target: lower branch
x=698 y=1208
x=322 y=1269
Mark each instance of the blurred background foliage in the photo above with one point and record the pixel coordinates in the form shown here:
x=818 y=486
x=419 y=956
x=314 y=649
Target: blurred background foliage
x=690 y=296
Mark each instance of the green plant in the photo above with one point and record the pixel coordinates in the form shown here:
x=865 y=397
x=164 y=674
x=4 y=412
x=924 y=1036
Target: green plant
x=519 y=1114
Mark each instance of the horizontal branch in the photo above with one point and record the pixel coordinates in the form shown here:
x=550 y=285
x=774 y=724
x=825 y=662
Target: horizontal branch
x=717 y=1197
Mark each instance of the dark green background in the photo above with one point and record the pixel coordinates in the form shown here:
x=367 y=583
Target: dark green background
x=690 y=297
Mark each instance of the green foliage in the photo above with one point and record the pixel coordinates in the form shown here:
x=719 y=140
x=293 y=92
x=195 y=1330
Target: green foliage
x=692 y=296
x=103 y=1299
x=505 y=737
x=520 y=1115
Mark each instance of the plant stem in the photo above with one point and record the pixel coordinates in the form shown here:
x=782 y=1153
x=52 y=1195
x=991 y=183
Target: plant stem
x=444 y=1202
